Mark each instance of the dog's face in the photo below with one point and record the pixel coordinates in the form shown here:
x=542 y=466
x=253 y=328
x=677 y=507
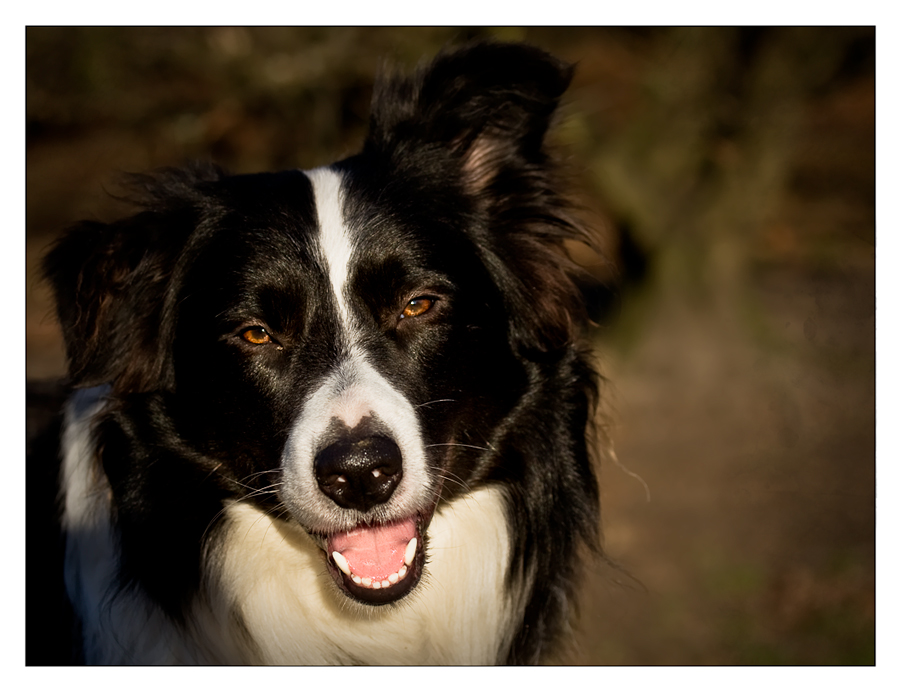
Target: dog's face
x=347 y=355
x=341 y=347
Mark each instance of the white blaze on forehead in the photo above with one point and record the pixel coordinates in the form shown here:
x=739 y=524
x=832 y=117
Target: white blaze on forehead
x=334 y=240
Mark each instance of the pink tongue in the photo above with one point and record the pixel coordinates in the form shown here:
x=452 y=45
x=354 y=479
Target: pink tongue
x=374 y=551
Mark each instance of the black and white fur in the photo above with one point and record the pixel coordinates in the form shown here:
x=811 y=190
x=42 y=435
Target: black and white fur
x=239 y=329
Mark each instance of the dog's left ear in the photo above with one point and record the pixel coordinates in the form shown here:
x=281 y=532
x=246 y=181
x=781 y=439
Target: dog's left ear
x=482 y=113
x=490 y=104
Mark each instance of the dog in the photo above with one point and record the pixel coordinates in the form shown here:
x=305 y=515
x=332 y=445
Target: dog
x=337 y=416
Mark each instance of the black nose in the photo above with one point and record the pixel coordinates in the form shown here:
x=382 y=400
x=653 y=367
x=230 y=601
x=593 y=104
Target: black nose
x=359 y=473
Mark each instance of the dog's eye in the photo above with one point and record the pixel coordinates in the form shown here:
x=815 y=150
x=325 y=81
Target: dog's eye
x=417 y=307
x=256 y=335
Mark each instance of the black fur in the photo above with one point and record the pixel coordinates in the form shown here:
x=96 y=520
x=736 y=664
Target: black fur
x=457 y=194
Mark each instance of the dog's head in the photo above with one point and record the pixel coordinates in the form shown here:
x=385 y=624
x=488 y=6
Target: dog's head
x=342 y=346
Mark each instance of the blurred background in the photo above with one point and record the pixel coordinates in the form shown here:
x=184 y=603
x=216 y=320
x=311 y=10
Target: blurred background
x=731 y=175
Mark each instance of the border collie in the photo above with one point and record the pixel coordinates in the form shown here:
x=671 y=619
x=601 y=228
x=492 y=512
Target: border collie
x=339 y=415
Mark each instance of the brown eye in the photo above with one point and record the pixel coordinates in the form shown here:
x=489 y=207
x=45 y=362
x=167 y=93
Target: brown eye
x=417 y=307
x=256 y=335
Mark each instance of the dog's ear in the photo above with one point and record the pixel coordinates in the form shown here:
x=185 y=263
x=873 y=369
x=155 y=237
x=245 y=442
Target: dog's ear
x=110 y=284
x=482 y=112
x=490 y=104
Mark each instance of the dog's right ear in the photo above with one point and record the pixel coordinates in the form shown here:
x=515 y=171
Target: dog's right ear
x=111 y=282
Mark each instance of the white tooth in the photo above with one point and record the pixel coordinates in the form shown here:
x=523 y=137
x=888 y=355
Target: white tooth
x=385 y=583
x=367 y=581
x=393 y=578
x=356 y=579
x=376 y=584
x=341 y=561
x=410 y=552
x=402 y=572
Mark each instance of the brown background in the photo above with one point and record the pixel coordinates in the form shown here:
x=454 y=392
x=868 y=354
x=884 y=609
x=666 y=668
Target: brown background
x=732 y=174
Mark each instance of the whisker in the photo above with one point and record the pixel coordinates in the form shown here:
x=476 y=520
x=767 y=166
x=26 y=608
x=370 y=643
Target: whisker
x=254 y=475
x=253 y=489
x=211 y=523
x=257 y=493
x=261 y=473
x=254 y=492
x=448 y=476
x=459 y=444
x=435 y=401
x=213 y=470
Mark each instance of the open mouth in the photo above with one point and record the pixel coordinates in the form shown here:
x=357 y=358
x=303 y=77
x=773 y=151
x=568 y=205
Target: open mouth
x=377 y=564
